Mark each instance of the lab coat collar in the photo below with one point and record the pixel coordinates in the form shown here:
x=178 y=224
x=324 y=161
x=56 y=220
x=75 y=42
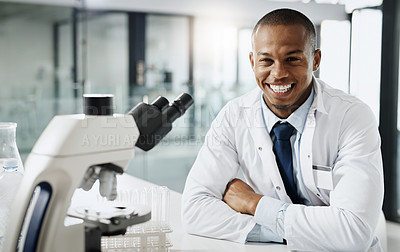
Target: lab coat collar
x=318 y=103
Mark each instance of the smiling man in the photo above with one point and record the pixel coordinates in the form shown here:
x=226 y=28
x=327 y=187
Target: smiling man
x=310 y=154
x=283 y=60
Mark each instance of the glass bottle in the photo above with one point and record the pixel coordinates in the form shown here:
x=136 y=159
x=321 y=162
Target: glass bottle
x=8 y=146
x=11 y=170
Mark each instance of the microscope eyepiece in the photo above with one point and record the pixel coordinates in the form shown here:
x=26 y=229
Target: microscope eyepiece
x=183 y=102
x=161 y=103
x=155 y=120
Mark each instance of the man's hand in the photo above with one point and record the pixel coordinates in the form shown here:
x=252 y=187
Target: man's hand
x=241 y=197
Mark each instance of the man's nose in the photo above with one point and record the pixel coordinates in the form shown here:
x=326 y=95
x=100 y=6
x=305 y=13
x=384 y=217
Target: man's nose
x=279 y=70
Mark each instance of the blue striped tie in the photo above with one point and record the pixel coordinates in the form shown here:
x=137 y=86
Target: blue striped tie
x=283 y=154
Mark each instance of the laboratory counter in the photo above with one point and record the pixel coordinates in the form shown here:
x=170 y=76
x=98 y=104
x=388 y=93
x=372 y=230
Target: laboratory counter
x=181 y=241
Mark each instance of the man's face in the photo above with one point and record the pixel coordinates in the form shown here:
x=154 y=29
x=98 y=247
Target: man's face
x=283 y=62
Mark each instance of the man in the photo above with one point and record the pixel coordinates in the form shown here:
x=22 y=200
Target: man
x=310 y=154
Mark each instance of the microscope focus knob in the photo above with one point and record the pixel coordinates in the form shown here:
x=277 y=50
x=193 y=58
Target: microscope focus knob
x=98 y=104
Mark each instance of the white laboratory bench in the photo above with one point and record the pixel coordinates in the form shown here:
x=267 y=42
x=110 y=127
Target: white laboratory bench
x=181 y=241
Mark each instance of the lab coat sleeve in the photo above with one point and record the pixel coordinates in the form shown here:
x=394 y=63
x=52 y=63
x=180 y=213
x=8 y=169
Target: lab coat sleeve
x=203 y=211
x=349 y=222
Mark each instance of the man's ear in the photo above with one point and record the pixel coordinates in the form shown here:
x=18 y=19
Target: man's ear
x=317 y=59
x=251 y=60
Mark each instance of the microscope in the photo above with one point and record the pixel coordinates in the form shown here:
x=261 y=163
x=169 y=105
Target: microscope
x=74 y=151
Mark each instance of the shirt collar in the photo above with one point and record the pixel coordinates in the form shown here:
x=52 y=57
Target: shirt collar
x=297 y=119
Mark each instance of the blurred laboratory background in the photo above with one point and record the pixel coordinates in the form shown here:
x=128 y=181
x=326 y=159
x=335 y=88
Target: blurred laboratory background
x=53 y=51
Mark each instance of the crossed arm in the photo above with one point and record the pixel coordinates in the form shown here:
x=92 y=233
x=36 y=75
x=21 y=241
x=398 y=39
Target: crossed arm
x=241 y=197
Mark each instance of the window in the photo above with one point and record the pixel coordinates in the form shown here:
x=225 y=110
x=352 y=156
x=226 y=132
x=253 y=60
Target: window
x=335 y=48
x=365 y=74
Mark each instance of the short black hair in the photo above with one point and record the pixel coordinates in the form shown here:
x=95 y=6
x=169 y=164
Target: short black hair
x=289 y=17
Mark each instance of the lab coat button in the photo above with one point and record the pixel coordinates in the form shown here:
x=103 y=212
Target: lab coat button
x=310 y=122
x=260 y=148
x=308 y=155
x=319 y=195
x=278 y=188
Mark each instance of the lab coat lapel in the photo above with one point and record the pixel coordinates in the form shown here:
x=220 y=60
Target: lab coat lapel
x=306 y=155
x=263 y=144
x=306 y=146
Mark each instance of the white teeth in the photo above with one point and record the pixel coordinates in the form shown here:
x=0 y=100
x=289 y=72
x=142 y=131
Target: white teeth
x=280 y=88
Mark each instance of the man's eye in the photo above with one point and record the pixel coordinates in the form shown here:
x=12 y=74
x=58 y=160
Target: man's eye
x=291 y=59
x=267 y=60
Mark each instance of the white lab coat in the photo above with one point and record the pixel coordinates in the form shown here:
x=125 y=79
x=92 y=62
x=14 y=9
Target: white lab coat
x=340 y=132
